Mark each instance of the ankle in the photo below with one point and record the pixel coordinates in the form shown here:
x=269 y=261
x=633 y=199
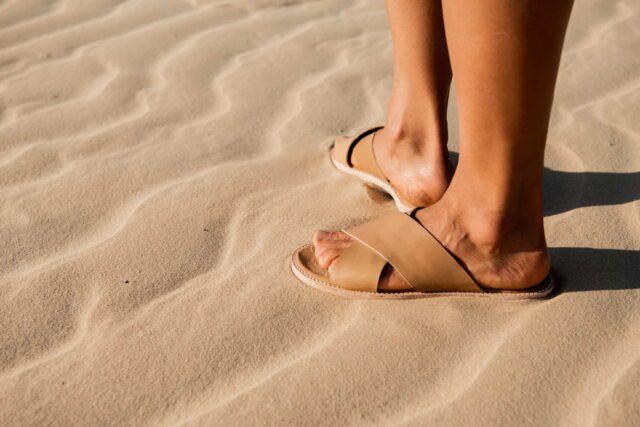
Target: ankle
x=415 y=145
x=499 y=251
x=418 y=113
x=430 y=128
x=492 y=231
x=418 y=167
x=498 y=233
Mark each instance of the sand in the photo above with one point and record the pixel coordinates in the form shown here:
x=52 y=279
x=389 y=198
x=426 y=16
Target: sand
x=159 y=161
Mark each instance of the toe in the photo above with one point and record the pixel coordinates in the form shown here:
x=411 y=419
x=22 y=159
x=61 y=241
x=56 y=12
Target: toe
x=328 y=256
x=322 y=236
x=319 y=237
x=328 y=246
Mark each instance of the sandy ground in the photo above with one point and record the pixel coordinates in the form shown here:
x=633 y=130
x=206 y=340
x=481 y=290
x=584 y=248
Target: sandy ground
x=159 y=161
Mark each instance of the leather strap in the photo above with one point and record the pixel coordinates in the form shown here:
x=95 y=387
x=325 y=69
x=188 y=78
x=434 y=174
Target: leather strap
x=357 y=153
x=412 y=251
x=364 y=159
x=358 y=268
x=352 y=152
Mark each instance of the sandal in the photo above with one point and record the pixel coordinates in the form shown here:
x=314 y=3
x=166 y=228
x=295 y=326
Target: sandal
x=346 y=151
x=401 y=241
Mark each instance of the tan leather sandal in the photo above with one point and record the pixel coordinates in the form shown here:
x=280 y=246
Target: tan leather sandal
x=399 y=240
x=347 y=151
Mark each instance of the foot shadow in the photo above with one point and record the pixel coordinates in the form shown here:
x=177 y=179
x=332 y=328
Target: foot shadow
x=565 y=191
x=586 y=269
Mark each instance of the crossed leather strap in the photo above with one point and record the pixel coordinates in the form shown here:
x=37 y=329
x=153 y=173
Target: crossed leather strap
x=411 y=250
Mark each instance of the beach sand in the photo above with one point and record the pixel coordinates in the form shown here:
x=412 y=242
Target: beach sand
x=159 y=161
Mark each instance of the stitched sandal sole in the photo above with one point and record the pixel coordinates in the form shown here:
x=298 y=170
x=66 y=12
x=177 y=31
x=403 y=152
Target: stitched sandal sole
x=308 y=278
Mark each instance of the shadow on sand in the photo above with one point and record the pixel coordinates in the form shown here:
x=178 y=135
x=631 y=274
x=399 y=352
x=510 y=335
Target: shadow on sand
x=585 y=269
x=565 y=191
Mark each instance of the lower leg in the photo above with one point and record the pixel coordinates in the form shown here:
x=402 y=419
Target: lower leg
x=505 y=58
x=412 y=148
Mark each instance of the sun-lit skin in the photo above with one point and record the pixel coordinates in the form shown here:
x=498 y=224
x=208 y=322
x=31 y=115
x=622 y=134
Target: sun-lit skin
x=505 y=57
x=412 y=148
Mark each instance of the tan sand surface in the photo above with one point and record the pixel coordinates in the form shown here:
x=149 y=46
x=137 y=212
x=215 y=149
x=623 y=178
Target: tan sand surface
x=159 y=161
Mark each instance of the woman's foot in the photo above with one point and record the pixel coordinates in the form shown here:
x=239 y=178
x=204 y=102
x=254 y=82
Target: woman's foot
x=500 y=252
x=416 y=163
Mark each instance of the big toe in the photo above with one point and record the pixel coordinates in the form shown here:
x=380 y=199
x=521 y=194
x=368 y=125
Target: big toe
x=329 y=245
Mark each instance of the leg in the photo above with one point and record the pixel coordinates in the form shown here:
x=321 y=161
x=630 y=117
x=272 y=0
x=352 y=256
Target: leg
x=505 y=56
x=412 y=148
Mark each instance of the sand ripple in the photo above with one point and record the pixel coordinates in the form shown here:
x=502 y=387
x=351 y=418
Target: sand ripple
x=159 y=161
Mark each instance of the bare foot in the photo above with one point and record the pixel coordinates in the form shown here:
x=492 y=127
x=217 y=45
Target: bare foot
x=497 y=259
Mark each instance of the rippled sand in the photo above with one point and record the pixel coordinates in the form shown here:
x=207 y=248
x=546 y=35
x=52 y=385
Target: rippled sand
x=159 y=160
